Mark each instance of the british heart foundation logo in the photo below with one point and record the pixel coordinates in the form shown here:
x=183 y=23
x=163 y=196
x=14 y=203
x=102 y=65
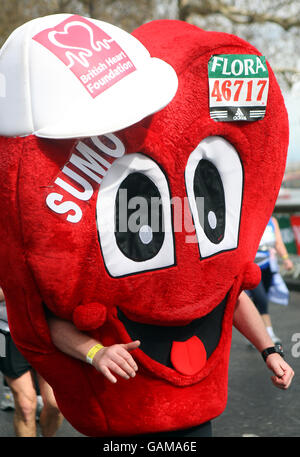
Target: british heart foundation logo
x=95 y=58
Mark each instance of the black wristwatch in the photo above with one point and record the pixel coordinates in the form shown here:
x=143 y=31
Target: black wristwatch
x=273 y=349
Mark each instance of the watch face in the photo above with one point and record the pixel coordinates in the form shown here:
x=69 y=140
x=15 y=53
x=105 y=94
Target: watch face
x=278 y=348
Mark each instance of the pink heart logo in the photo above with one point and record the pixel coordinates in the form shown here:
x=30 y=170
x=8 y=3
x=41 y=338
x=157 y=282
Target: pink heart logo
x=77 y=42
x=75 y=35
x=80 y=36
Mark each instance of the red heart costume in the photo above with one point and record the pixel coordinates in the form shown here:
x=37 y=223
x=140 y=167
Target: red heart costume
x=59 y=197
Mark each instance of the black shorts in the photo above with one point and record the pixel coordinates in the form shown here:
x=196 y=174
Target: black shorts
x=13 y=365
x=259 y=295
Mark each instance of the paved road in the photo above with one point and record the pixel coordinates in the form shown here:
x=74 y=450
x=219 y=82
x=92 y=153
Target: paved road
x=255 y=406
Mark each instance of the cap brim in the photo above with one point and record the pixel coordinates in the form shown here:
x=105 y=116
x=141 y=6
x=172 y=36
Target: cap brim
x=141 y=93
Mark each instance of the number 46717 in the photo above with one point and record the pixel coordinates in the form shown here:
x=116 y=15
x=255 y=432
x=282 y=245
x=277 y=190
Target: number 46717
x=239 y=90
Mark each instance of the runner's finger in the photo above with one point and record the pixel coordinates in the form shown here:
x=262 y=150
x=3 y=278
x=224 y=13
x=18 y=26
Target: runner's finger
x=124 y=364
x=129 y=359
x=282 y=383
x=118 y=370
x=132 y=345
x=105 y=371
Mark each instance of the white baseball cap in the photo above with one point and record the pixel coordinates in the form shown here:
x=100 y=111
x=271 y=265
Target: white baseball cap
x=66 y=76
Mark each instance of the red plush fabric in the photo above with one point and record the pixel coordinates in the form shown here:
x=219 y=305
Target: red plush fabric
x=47 y=259
x=89 y=316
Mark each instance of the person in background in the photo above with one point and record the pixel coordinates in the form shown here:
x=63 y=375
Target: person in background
x=271 y=287
x=23 y=382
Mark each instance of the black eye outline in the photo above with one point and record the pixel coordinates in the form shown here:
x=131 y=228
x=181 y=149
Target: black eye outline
x=225 y=158
x=120 y=169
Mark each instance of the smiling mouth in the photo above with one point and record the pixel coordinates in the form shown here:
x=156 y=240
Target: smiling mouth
x=183 y=348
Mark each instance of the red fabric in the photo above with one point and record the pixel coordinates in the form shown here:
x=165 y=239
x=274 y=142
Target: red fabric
x=89 y=316
x=47 y=259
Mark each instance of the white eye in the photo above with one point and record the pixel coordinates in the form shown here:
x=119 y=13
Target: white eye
x=134 y=217
x=214 y=182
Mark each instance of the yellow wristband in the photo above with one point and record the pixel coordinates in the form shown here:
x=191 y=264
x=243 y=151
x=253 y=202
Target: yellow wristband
x=285 y=256
x=92 y=352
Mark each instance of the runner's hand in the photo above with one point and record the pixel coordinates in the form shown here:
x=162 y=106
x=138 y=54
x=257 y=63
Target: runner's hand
x=283 y=373
x=116 y=359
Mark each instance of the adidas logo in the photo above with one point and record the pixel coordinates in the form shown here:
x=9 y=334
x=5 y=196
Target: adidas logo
x=239 y=115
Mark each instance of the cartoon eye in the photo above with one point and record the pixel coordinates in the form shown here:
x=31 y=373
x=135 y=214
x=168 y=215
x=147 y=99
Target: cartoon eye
x=214 y=183
x=134 y=217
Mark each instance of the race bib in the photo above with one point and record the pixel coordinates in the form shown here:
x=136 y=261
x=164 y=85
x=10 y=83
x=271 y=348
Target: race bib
x=238 y=87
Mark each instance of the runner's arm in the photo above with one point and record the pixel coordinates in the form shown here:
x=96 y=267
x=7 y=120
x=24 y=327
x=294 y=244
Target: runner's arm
x=248 y=321
x=115 y=358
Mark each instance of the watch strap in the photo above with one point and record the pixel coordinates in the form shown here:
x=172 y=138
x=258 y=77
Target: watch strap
x=272 y=350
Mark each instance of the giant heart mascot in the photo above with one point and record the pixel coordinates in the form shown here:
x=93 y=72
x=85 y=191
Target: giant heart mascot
x=92 y=122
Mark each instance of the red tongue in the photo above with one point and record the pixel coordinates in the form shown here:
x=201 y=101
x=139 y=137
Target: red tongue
x=188 y=357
